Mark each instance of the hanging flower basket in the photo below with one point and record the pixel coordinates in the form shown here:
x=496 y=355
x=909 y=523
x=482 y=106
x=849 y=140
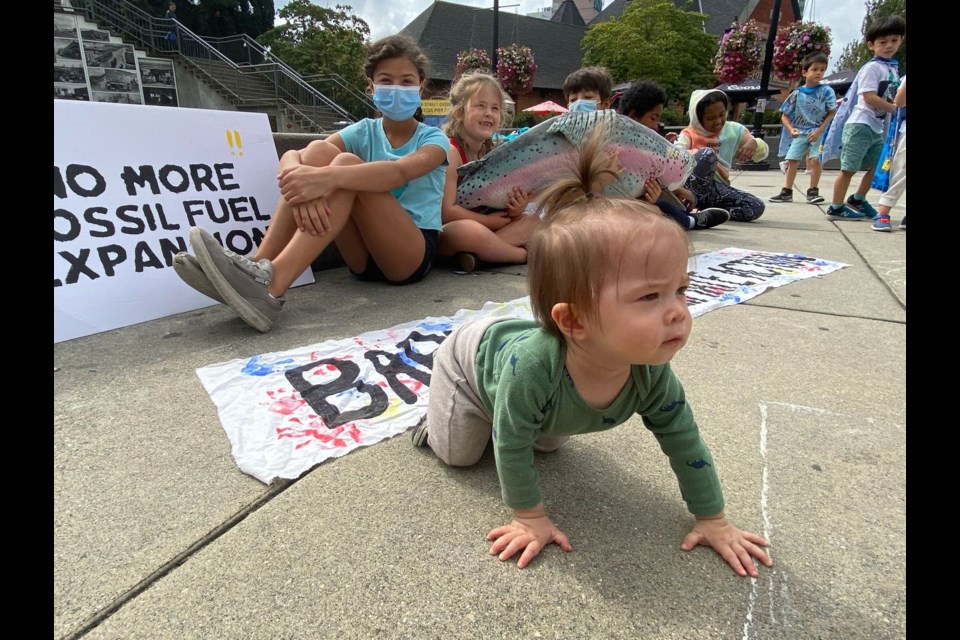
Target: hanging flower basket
x=740 y=52
x=515 y=69
x=794 y=43
x=472 y=60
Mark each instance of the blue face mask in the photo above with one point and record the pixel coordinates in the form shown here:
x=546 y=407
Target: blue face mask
x=396 y=102
x=583 y=105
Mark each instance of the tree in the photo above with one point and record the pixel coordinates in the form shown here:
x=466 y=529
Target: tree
x=654 y=40
x=319 y=41
x=856 y=54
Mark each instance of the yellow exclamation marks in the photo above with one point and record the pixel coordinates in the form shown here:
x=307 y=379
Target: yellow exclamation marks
x=234 y=137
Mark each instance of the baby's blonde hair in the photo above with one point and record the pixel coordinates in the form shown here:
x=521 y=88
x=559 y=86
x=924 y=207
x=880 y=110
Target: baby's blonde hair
x=579 y=246
x=461 y=93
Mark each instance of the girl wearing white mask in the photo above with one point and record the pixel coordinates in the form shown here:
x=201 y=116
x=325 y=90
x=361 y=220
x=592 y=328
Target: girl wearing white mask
x=374 y=188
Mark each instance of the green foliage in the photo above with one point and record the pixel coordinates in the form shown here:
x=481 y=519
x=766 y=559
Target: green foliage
x=654 y=40
x=526 y=119
x=856 y=54
x=316 y=40
x=770 y=116
x=674 y=118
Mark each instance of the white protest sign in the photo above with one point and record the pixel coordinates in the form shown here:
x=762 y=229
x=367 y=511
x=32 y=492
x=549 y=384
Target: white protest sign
x=285 y=412
x=129 y=182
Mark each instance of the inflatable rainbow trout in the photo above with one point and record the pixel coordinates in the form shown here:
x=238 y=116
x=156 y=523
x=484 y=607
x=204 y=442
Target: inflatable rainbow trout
x=533 y=159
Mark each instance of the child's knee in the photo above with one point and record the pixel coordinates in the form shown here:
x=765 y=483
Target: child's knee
x=319 y=153
x=346 y=159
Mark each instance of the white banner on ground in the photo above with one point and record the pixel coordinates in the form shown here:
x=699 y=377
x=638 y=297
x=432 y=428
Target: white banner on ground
x=287 y=411
x=128 y=183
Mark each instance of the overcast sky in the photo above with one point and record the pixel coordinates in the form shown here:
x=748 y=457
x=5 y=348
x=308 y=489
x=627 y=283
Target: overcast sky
x=844 y=17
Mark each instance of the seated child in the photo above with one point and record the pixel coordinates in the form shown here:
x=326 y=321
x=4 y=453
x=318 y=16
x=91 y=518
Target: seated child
x=607 y=279
x=644 y=103
x=477 y=111
x=588 y=89
x=373 y=188
x=716 y=142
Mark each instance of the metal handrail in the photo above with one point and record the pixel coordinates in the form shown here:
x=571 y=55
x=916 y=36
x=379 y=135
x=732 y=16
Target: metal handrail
x=339 y=83
x=245 y=51
x=151 y=32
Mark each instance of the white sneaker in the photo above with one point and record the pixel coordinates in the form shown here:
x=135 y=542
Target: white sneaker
x=783 y=166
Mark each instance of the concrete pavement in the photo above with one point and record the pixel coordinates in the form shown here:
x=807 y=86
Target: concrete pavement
x=158 y=534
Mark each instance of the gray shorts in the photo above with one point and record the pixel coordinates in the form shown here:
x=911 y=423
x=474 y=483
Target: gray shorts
x=458 y=425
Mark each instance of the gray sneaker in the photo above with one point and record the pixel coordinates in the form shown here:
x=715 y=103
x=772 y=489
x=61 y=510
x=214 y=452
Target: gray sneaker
x=419 y=434
x=190 y=272
x=241 y=282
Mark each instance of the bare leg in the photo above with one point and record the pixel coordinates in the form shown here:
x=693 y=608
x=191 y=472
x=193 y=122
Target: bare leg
x=815 y=170
x=841 y=185
x=473 y=237
x=519 y=232
x=363 y=224
x=865 y=182
x=318 y=153
x=792 y=166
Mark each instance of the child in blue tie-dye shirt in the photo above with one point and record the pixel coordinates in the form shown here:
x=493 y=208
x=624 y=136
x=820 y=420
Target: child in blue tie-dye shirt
x=806 y=114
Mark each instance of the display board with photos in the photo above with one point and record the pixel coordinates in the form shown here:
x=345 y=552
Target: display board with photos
x=159 y=82
x=88 y=66
x=69 y=74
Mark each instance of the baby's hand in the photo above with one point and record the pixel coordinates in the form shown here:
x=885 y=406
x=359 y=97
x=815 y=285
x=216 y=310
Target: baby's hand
x=737 y=547
x=651 y=191
x=671 y=136
x=517 y=202
x=529 y=533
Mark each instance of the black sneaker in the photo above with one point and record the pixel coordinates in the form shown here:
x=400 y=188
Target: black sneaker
x=419 y=435
x=863 y=207
x=710 y=217
x=785 y=195
x=813 y=196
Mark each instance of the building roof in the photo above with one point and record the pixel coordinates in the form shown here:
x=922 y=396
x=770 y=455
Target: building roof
x=568 y=13
x=720 y=13
x=445 y=29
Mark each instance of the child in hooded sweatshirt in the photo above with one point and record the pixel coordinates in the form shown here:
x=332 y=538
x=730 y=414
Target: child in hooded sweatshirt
x=715 y=143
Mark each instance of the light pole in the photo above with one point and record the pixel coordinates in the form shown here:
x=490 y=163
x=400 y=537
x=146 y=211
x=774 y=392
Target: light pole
x=496 y=29
x=765 y=74
x=496 y=38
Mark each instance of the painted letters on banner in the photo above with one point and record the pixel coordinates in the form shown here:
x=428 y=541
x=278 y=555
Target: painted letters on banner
x=128 y=183
x=286 y=412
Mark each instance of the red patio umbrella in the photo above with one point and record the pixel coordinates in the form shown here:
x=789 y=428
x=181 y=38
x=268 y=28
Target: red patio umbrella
x=546 y=107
